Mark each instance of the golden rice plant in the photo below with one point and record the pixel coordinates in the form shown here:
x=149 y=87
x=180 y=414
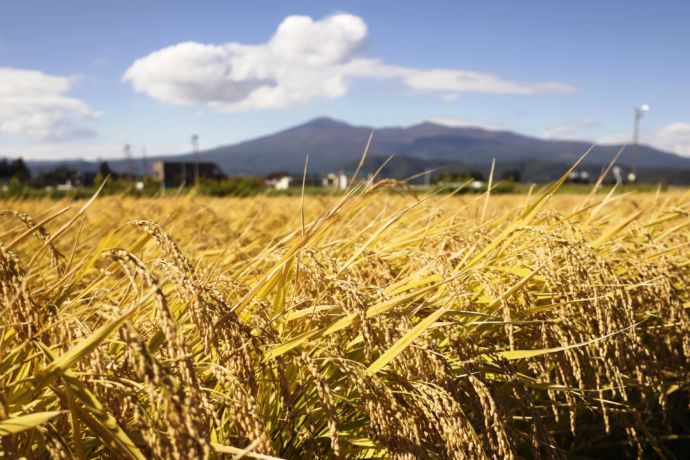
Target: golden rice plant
x=369 y=325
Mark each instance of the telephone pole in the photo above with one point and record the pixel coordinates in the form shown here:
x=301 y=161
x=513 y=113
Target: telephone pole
x=128 y=157
x=195 y=150
x=639 y=113
x=144 y=161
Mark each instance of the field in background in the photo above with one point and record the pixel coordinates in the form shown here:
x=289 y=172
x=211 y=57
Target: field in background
x=254 y=186
x=371 y=324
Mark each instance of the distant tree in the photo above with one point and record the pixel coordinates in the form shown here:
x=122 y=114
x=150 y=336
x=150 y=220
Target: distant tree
x=450 y=176
x=476 y=175
x=59 y=175
x=447 y=177
x=98 y=180
x=14 y=185
x=14 y=169
x=104 y=170
x=511 y=175
x=21 y=170
x=4 y=169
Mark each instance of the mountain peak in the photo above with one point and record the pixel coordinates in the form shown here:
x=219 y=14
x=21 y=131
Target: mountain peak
x=428 y=123
x=454 y=124
x=326 y=122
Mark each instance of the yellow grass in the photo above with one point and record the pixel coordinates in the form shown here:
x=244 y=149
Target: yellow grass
x=376 y=324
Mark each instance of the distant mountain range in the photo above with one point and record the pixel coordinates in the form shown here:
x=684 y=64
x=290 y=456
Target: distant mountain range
x=333 y=144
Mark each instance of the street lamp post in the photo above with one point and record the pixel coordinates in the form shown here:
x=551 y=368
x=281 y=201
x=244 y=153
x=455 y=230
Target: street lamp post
x=639 y=113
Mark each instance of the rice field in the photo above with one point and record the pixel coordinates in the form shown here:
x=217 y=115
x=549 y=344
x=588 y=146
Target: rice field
x=369 y=325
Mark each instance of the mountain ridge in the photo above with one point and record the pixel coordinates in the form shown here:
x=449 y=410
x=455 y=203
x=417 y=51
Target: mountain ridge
x=332 y=144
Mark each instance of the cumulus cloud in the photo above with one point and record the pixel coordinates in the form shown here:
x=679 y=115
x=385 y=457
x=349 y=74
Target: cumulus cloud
x=303 y=60
x=35 y=104
x=569 y=130
x=333 y=40
x=674 y=137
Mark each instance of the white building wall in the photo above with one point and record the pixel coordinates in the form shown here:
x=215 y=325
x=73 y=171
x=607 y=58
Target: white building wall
x=283 y=183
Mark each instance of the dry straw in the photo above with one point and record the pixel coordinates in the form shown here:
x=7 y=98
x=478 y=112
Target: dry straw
x=375 y=324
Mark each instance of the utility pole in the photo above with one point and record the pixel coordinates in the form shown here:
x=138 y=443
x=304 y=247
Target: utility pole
x=195 y=150
x=639 y=113
x=128 y=157
x=144 y=161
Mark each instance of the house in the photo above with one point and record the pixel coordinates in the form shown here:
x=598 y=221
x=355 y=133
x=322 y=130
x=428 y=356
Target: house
x=477 y=184
x=338 y=181
x=176 y=173
x=66 y=186
x=283 y=183
x=579 y=177
x=279 y=180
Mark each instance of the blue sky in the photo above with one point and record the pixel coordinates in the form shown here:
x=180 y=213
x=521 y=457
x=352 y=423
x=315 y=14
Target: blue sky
x=82 y=78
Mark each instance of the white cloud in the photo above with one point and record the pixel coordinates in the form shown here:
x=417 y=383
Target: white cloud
x=616 y=138
x=333 y=40
x=453 y=122
x=466 y=81
x=674 y=137
x=35 y=104
x=305 y=59
x=569 y=130
x=60 y=151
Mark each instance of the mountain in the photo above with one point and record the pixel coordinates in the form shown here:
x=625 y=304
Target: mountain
x=332 y=144
x=41 y=166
